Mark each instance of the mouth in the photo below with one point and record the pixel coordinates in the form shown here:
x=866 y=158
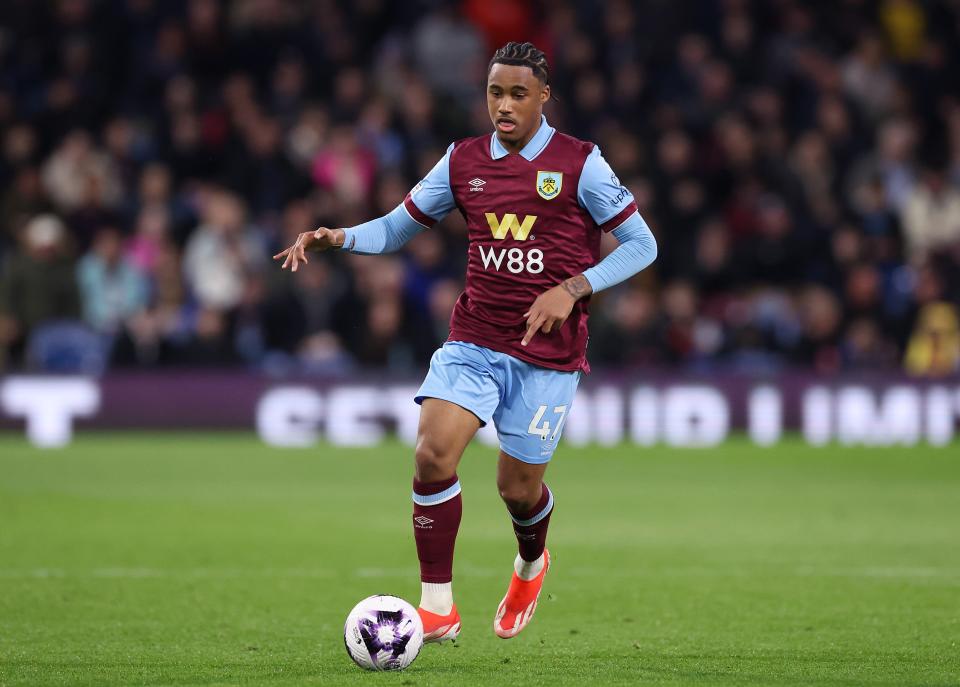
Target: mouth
x=505 y=125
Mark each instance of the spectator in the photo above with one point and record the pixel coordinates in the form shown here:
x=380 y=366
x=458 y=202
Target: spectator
x=38 y=284
x=75 y=168
x=450 y=53
x=629 y=330
x=112 y=288
x=22 y=200
x=931 y=215
x=821 y=319
x=221 y=254
x=934 y=349
x=864 y=347
x=344 y=168
x=868 y=78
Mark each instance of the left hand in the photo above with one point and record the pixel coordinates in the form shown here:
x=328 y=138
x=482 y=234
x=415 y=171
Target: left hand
x=552 y=308
x=548 y=312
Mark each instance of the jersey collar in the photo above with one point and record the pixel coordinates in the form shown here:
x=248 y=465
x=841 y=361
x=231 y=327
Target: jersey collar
x=534 y=146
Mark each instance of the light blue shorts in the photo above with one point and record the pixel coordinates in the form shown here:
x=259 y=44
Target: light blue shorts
x=528 y=404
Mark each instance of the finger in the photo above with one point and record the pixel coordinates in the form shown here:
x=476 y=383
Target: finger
x=528 y=336
x=548 y=325
x=300 y=250
x=291 y=255
x=302 y=255
x=281 y=254
x=296 y=250
x=532 y=309
x=532 y=328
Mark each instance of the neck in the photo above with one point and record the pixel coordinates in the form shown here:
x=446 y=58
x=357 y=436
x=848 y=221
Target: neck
x=517 y=146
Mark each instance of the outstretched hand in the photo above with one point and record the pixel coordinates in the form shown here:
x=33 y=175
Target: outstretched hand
x=310 y=242
x=552 y=308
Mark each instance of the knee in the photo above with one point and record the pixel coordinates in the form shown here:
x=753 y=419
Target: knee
x=520 y=497
x=432 y=463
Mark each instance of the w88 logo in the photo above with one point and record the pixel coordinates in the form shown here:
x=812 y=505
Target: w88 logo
x=514 y=260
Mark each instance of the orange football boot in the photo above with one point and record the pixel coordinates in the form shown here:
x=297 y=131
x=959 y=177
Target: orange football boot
x=439 y=628
x=517 y=607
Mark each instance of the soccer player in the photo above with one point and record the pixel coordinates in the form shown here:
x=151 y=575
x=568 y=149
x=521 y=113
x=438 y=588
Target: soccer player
x=535 y=202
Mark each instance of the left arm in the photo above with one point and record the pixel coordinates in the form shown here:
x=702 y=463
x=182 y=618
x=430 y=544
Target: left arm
x=611 y=206
x=637 y=250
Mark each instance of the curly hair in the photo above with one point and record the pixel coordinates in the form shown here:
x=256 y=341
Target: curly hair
x=523 y=55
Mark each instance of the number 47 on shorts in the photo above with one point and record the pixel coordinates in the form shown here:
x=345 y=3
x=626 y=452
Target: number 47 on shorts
x=542 y=430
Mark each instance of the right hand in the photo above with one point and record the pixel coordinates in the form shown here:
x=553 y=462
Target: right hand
x=310 y=241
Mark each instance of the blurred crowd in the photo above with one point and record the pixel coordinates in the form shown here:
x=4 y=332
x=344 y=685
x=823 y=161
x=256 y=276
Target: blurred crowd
x=798 y=161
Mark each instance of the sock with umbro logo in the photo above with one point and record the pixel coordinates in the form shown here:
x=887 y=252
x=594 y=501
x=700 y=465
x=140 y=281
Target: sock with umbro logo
x=531 y=530
x=437 y=508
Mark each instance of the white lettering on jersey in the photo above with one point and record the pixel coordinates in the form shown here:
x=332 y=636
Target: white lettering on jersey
x=517 y=259
x=494 y=256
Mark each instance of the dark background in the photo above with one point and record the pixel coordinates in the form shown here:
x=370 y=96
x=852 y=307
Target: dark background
x=799 y=163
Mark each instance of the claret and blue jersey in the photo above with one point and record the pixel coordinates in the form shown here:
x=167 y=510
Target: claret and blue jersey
x=598 y=190
x=534 y=219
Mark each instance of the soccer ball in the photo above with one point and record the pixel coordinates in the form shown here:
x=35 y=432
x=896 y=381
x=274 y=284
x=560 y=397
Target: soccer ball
x=383 y=633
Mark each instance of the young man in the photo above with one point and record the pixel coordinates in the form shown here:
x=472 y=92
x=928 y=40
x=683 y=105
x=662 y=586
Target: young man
x=535 y=202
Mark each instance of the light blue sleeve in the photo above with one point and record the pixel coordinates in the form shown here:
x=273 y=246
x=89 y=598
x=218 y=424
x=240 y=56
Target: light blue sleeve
x=382 y=235
x=427 y=203
x=600 y=191
x=433 y=196
x=637 y=250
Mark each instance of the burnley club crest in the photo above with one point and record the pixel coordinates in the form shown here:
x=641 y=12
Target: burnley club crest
x=549 y=184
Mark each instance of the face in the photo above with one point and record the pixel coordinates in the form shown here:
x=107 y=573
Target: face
x=515 y=99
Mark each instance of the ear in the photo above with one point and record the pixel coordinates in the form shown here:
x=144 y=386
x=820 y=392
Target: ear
x=544 y=93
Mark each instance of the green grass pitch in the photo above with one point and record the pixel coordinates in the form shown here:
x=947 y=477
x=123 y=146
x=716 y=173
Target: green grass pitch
x=133 y=559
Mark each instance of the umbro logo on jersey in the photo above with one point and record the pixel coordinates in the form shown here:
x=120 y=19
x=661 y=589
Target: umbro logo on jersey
x=477 y=184
x=422 y=520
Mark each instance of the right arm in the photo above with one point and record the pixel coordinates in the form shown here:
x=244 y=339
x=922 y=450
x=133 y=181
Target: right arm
x=429 y=202
x=382 y=235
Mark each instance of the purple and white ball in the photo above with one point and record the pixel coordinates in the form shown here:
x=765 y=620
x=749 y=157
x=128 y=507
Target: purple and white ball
x=383 y=633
